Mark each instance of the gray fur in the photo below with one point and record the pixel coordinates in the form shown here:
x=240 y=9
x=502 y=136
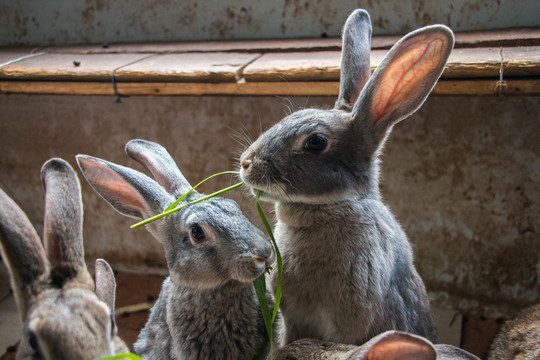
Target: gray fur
x=518 y=338
x=207 y=308
x=348 y=266
x=390 y=345
x=62 y=316
x=449 y=352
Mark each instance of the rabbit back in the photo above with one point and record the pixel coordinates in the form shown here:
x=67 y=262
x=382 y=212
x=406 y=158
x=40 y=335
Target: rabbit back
x=518 y=337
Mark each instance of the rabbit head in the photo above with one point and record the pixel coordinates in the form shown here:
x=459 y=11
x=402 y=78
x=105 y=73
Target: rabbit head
x=206 y=244
x=319 y=156
x=62 y=315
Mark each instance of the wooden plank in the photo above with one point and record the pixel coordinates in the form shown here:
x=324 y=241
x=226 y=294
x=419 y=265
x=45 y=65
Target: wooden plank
x=228 y=67
x=64 y=66
x=512 y=87
x=486 y=62
x=130 y=67
x=9 y=55
x=526 y=36
x=298 y=66
x=463 y=63
x=249 y=46
x=189 y=67
x=168 y=88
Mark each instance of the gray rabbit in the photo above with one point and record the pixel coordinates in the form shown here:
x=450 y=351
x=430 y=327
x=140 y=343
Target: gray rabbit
x=62 y=315
x=390 y=345
x=348 y=270
x=518 y=338
x=207 y=308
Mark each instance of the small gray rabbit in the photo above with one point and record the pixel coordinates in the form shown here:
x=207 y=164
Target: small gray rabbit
x=348 y=271
x=62 y=315
x=518 y=338
x=390 y=345
x=207 y=308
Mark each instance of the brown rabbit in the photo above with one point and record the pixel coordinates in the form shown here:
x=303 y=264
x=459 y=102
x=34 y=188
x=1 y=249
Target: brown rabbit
x=62 y=315
x=518 y=338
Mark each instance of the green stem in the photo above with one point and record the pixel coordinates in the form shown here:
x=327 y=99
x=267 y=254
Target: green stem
x=120 y=357
x=173 y=205
x=170 y=211
x=259 y=283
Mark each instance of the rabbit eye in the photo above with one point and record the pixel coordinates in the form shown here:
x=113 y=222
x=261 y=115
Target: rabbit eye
x=197 y=233
x=316 y=143
x=34 y=345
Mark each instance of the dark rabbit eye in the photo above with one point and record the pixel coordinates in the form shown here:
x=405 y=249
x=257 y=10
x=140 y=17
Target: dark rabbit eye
x=197 y=233
x=34 y=345
x=316 y=143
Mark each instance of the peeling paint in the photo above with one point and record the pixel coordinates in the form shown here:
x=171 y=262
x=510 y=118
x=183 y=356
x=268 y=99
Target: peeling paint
x=34 y=22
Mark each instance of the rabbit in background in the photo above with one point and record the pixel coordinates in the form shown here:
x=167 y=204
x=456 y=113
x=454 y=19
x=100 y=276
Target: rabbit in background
x=348 y=271
x=390 y=345
x=207 y=308
x=63 y=317
x=518 y=338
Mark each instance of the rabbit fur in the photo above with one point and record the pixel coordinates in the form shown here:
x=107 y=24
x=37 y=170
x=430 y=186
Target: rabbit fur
x=348 y=271
x=518 y=338
x=386 y=346
x=63 y=317
x=207 y=308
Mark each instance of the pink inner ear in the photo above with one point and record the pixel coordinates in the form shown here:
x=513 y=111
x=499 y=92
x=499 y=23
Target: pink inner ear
x=399 y=350
x=115 y=186
x=403 y=76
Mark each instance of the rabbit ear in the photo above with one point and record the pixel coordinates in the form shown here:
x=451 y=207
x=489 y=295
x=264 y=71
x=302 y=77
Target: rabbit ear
x=105 y=283
x=62 y=231
x=395 y=345
x=404 y=79
x=355 y=59
x=22 y=252
x=128 y=191
x=106 y=288
x=161 y=165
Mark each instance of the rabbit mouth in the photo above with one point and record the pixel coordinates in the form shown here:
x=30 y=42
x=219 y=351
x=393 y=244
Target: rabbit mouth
x=267 y=186
x=247 y=271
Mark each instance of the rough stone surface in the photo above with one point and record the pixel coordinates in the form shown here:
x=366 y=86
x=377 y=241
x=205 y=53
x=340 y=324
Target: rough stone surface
x=462 y=175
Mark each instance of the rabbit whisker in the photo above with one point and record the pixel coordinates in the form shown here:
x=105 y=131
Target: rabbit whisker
x=306 y=103
x=290 y=106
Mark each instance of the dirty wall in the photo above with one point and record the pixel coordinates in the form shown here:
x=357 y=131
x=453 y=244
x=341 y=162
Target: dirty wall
x=462 y=176
x=60 y=22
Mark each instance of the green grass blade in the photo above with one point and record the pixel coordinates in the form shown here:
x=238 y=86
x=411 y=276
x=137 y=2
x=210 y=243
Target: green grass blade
x=260 y=288
x=278 y=255
x=174 y=204
x=168 y=212
x=120 y=357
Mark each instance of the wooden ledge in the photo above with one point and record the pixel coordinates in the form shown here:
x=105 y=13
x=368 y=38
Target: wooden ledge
x=268 y=67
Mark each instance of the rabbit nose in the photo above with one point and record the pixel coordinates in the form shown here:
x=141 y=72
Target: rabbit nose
x=267 y=260
x=246 y=164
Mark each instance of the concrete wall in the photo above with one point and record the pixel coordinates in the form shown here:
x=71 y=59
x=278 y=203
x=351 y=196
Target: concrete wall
x=57 y=22
x=462 y=175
